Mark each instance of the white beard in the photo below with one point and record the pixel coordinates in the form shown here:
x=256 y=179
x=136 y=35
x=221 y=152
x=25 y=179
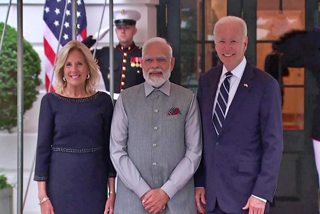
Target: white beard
x=157 y=81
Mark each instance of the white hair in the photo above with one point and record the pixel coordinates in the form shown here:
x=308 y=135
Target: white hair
x=228 y=20
x=155 y=40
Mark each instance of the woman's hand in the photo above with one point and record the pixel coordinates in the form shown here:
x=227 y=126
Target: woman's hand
x=110 y=204
x=46 y=207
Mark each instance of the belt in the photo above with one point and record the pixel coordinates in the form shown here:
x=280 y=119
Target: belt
x=77 y=151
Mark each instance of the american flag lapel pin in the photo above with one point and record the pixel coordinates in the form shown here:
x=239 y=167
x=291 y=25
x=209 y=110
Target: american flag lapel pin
x=245 y=85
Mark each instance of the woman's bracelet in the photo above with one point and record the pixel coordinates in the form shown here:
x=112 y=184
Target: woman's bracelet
x=44 y=200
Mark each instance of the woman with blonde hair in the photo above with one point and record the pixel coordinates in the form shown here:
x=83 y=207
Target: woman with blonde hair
x=73 y=167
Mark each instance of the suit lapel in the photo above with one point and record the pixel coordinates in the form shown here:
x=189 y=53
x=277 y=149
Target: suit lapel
x=213 y=86
x=245 y=85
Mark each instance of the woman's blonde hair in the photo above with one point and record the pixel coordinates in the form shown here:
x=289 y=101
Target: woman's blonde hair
x=60 y=85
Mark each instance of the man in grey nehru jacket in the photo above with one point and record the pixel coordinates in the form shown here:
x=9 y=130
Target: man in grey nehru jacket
x=156 y=139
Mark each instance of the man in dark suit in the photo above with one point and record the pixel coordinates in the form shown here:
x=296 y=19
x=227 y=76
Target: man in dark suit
x=242 y=129
x=127 y=56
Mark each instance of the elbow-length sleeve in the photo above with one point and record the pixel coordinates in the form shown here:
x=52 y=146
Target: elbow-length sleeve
x=107 y=118
x=45 y=138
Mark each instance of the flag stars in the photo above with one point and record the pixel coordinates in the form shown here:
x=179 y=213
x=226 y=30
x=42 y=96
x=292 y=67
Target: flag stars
x=65 y=36
x=66 y=25
x=53 y=13
x=57 y=11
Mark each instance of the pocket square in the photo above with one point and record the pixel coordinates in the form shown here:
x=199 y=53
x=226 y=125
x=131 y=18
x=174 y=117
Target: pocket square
x=173 y=111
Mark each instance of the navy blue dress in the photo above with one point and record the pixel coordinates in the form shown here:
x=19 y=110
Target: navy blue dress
x=73 y=152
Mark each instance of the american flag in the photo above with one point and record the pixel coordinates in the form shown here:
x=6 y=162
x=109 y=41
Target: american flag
x=52 y=16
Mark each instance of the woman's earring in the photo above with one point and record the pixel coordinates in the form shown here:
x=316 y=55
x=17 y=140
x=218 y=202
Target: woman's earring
x=88 y=76
x=64 y=79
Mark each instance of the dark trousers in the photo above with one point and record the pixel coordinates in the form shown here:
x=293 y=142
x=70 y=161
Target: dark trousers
x=217 y=210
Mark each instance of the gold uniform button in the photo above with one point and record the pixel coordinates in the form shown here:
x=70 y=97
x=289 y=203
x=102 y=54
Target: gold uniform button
x=121 y=48
x=123 y=76
x=123 y=68
x=129 y=48
x=125 y=54
x=133 y=64
x=138 y=71
x=108 y=76
x=122 y=83
x=124 y=61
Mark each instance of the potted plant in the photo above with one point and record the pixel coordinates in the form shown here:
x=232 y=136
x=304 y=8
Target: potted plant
x=5 y=195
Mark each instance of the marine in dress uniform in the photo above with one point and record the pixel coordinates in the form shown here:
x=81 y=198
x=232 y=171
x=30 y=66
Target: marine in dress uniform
x=127 y=56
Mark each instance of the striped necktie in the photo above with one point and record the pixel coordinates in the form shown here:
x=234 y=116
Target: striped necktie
x=221 y=105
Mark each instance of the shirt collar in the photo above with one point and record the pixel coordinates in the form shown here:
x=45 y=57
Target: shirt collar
x=237 y=71
x=165 y=88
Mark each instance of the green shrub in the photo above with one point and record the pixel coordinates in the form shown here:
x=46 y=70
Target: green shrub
x=3 y=182
x=8 y=77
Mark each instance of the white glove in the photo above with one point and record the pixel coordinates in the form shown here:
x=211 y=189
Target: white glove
x=102 y=33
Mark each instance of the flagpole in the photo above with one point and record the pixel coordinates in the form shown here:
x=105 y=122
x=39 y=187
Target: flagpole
x=111 y=52
x=20 y=105
x=5 y=26
x=74 y=20
x=97 y=40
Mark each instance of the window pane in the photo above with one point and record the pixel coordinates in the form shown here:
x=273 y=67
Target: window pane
x=293 y=109
x=271 y=24
x=191 y=38
x=188 y=40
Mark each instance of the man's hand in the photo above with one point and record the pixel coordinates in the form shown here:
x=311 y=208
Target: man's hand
x=255 y=206
x=155 y=200
x=200 y=196
x=101 y=33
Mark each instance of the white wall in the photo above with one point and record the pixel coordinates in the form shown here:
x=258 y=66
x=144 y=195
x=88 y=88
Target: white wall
x=33 y=32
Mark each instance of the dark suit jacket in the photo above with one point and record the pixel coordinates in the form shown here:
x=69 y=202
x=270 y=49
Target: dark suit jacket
x=245 y=158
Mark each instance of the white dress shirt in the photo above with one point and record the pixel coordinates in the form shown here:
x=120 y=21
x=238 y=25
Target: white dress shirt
x=234 y=82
